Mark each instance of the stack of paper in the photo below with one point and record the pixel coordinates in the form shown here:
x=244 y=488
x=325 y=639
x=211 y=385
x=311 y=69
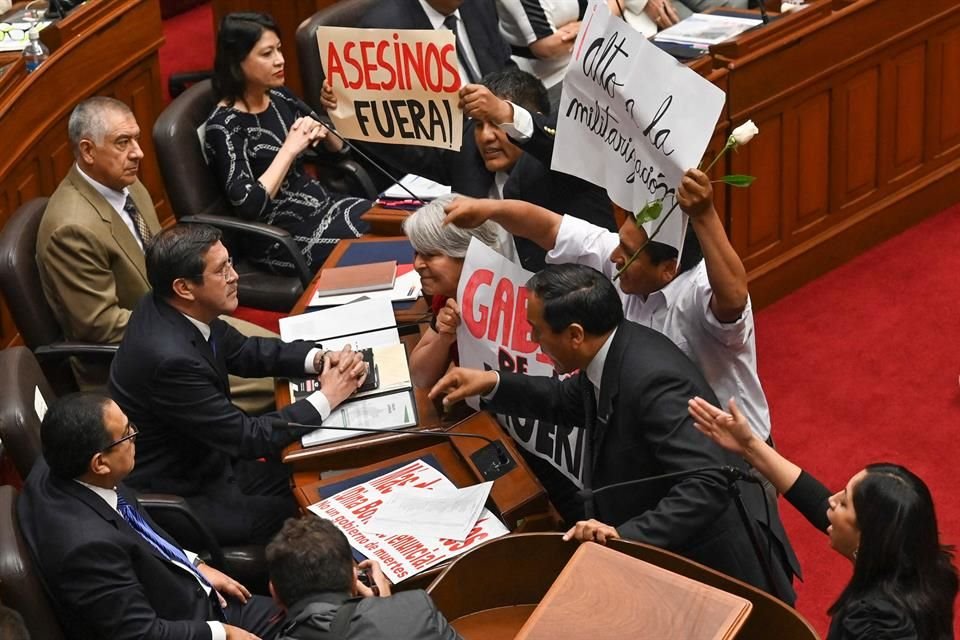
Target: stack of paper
x=424 y=188
x=436 y=506
x=704 y=29
x=361 y=325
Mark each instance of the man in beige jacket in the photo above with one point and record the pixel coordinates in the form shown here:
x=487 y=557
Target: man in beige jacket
x=91 y=239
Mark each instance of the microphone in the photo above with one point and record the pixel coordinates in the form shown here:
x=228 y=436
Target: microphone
x=492 y=461
x=763 y=11
x=732 y=474
x=307 y=109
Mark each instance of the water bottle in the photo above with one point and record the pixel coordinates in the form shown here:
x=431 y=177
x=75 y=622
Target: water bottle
x=35 y=52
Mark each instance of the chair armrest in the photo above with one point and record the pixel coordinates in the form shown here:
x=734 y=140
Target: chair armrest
x=58 y=350
x=356 y=179
x=262 y=230
x=359 y=175
x=165 y=507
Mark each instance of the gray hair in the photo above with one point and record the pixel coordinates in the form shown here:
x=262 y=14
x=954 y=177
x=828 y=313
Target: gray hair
x=429 y=236
x=87 y=121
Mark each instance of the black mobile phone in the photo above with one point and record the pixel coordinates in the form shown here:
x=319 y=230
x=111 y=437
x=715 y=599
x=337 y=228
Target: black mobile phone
x=373 y=375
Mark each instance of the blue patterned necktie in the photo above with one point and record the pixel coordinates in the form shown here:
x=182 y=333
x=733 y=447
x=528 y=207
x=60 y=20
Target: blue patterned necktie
x=158 y=542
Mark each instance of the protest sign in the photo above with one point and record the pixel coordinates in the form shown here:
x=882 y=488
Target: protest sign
x=494 y=334
x=632 y=119
x=398 y=86
x=400 y=555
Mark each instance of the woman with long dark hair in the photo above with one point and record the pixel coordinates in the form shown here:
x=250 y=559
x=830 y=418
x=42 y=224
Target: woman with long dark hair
x=254 y=140
x=904 y=582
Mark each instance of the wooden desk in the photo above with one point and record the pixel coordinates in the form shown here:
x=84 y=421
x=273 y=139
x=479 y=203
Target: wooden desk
x=108 y=47
x=308 y=464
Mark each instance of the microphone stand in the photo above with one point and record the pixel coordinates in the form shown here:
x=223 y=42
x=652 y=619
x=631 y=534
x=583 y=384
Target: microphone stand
x=492 y=461
x=313 y=114
x=733 y=476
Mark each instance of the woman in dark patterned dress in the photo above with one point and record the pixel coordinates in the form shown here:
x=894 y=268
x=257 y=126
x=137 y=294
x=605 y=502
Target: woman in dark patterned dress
x=254 y=139
x=904 y=582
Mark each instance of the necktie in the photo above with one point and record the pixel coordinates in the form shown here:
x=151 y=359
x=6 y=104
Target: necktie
x=589 y=426
x=141 y=225
x=450 y=22
x=158 y=542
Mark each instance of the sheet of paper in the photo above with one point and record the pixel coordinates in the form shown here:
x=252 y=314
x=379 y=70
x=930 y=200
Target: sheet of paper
x=405 y=287
x=404 y=555
x=423 y=188
x=382 y=338
x=389 y=411
x=348 y=319
x=704 y=29
x=441 y=514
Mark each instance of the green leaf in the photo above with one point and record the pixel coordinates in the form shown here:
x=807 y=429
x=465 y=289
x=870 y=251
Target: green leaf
x=738 y=180
x=650 y=211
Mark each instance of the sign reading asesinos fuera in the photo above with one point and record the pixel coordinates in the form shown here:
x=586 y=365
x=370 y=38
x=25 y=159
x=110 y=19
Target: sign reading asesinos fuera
x=398 y=86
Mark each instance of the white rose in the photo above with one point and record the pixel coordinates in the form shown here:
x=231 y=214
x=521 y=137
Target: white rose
x=744 y=133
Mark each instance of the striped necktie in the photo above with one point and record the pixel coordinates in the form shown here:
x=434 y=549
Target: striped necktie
x=138 y=222
x=450 y=22
x=158 y=542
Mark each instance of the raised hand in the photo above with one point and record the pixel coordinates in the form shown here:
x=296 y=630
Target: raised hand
x=479 y=102
x=468 y=213
x=695 y=194
x=729 y=430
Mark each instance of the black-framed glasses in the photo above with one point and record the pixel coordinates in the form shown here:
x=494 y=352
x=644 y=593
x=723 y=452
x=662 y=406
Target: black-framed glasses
x=129 y=433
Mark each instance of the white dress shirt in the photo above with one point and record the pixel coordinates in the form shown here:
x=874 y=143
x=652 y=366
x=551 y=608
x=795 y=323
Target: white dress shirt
x=726 y=353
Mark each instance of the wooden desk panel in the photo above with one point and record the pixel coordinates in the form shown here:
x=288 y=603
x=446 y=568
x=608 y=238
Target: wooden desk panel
x=107 y=47
x=857 y=141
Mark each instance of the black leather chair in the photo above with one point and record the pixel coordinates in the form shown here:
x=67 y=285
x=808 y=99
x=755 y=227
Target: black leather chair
x=20 y=284
x=20 y=586
x=196 y=196
x=20 y=379
x=344 y=13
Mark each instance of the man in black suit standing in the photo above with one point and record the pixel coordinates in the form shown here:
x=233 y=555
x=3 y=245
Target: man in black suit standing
x=170 y=377
x=631 y=393
x=111 y=571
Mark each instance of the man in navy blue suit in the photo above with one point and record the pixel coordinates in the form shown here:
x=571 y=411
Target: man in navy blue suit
x=110 y=570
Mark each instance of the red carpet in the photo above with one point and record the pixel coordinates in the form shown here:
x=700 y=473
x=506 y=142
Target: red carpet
x=189 y=43
x=862 y=366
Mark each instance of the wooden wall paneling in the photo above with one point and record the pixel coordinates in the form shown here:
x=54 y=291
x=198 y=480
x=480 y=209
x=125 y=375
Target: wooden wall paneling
x=288 y=15
x=103 y=48
x=756 y=213
x=139 y=88
x=902 y=114
x=807 y=163
x=856 y=106
x=943 y=92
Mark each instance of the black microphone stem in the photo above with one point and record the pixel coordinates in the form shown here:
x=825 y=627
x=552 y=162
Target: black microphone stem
x=313 y=114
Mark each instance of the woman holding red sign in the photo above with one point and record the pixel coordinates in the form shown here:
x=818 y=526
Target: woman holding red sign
x=255 y=139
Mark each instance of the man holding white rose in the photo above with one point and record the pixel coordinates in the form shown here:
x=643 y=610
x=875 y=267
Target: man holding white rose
x=703 y=306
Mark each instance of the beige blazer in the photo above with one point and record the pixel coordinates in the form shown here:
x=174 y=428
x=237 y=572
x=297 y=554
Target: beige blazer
x=91 y=267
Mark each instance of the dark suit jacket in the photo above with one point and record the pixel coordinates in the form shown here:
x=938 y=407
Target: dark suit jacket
x=106 y=579
x=479 y=17
x=643 y=429
x=168 y=381
x=409 y=615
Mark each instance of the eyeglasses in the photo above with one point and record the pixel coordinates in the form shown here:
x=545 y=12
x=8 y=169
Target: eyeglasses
x=129 y=434
x=7 y=30
x=223 y=272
